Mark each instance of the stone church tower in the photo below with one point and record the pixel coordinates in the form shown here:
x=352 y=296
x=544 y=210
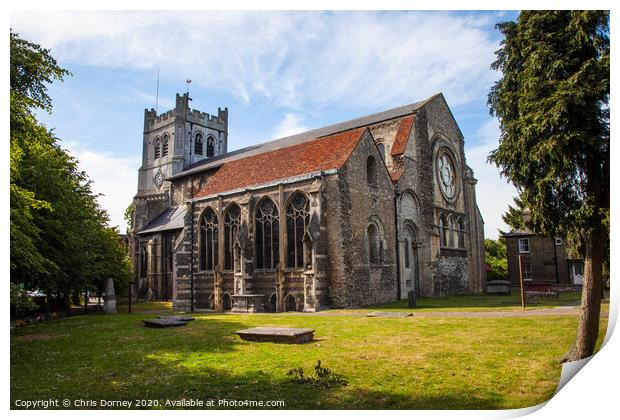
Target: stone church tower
x=172 y=143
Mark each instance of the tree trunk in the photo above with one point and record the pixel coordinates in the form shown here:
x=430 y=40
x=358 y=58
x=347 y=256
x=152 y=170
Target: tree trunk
x=587 y=331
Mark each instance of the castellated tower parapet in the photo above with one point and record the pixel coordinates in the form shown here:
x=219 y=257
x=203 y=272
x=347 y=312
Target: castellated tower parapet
x=177 y=139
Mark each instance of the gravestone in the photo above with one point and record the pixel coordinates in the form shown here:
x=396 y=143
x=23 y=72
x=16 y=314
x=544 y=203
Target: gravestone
x=163 y=323
x=109 y=300
x=181 y=318
x=411 y=298
x=278 y=335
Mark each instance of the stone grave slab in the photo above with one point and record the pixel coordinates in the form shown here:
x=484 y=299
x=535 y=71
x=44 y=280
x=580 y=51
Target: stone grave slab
x=163 y=323
x=277 y=335
x=389 y=314
x=181 y=318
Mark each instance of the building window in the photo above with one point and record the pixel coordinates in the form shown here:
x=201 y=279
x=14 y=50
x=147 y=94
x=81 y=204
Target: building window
x=451 y=232
x=375 y=250
x=210 y=146
x=208 y=240
x=267 y=235
x=460 y=233
x=164 y=146
x=527 y=271
x=407 y=263
x=524 y=246
x=443 y=231
x=297 y=219
x=198 y=144
x=232 y=221
x=157 y=149
x=558 y=241
x=371 y=171
x=381 y=148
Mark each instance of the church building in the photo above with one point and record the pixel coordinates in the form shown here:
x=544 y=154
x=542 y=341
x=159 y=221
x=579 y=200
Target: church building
x=352 y=214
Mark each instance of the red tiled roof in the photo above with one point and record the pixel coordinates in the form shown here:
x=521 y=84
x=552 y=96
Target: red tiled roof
x=395 y=176
x=402 y=135
x=324 y=153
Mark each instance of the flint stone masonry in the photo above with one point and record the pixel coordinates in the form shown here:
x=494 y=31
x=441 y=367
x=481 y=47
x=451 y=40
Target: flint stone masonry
x=402 y=202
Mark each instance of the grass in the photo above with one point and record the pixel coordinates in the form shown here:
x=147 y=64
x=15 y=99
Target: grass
x=475 y=303
x=409 y=363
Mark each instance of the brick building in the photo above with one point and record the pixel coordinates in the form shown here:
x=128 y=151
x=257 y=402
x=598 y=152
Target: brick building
x=351 y=214
x=544 y=260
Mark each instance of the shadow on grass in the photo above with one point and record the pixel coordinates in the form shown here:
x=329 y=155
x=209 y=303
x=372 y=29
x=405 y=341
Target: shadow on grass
x=116 y=358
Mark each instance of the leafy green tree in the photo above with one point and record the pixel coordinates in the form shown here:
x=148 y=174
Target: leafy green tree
x=553 y=106
x=60 y=241
x=496 y=258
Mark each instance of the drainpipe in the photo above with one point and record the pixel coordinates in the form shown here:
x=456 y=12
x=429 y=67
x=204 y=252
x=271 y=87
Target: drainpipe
x=396 y=194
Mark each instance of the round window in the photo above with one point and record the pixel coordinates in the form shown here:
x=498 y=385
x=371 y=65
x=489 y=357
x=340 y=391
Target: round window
x=446 y=175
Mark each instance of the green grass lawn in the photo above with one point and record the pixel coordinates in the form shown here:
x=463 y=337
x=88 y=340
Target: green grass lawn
x=409 y=363
x=476 y=303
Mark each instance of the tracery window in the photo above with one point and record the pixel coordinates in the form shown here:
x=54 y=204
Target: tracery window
x=443 y=227
x=371 y=171
x=210 y=146
x=198 y=144
x=267 y=234
x=297 y=220
x=156 y=149
x=461 y=233
x=232 y=221
x=451 y=233
x=164 y=146
x=208 y=240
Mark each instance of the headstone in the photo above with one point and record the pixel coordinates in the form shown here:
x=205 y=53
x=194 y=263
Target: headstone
x=163 y=323
x=176 y=318
x=411 y=298
x=498 y=287
x=278 y=335
x=109 y=300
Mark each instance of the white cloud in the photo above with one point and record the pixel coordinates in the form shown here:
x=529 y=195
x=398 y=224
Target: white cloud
x=113 y=176
x=493 y=193
x=290 y=124
x=299 y=60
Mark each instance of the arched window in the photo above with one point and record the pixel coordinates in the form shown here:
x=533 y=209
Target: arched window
x=460 y=233
x=443 y=227
x=371 y=171
x=267 y=234
x=208 y=240
x=156 y=148
x=210 y=146
x=232 y=221
x=381 y=148
x=297 y=219
x=407 y=262
x=374 y=244
x=451 y=232
x=198 y=144
x=164 y=146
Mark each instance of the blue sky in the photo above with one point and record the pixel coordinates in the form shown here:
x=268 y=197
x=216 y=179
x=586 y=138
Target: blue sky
x=277 y=72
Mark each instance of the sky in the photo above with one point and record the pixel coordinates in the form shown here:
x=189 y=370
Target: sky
x=278 y=73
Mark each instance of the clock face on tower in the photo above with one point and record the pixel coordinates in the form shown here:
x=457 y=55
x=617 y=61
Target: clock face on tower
x=446 y=175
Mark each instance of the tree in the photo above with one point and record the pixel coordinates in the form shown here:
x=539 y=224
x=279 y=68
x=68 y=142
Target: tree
x=552 y=102
x=496 y=258
x=60 y=241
